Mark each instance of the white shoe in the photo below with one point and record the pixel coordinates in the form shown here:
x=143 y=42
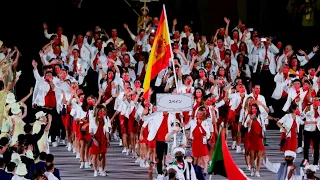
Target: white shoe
x=252 y=172
x=238 y=149
x=120 y=143
x=299 y=150
x=74 y=150
x=49 y=139
x=128 y=151
x=63 y=142
x=87 y=165
x=95 y=174
x=58 y=139
x=124 y=150
x=257 y=174
x=78 y=156
x=102 y=173
x=147 y=164
x=69 y=147
x=248 y=168
x=138 y=160
x=55 y=144
x=134 y=155
x=233 y=145
x=142 y=164
x=81 y=165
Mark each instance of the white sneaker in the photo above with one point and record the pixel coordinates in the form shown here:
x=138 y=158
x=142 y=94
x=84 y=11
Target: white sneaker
x=69 y=147
x=58 y=139
x=81 y=165
x=257 y=174
x=128 y=151
x=74 y=150
x=238 y=149
x=248 y=168
x=120 y=143
x=87 y=165
x=102 y=173
x=134 y=155
x=142 y=164
x=78 y=156
x=233 y=145
x=147 y=164
x=138 y=160
x=55 y=144
x=63 y=142
x=49 y=139
x=124 y=150
x=252 y=172
x=299 y=150
x=95 y=174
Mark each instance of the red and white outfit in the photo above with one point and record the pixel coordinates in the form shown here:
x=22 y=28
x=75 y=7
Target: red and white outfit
x=100 y=133
x=256 y=133
x=292 y=127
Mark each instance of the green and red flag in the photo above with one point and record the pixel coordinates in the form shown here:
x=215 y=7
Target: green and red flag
x=222 y=162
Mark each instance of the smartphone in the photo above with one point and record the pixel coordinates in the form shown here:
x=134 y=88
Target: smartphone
x=152 y=31
x=99 y=29
x=263 y=39
x=250 y=29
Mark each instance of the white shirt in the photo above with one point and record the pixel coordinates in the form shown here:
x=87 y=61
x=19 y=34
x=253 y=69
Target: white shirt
x=50 y=176
x=64 y=40
x=41 y=89
x=274 y=167
x=287 y=121
x=310 y=118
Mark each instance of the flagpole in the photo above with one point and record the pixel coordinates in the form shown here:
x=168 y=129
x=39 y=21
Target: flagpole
x=174 y=72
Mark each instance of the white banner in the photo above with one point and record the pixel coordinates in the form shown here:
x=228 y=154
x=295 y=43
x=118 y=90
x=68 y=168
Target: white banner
x=174 y=102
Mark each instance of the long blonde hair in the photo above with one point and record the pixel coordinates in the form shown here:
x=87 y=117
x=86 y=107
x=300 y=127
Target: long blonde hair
x=96 y=111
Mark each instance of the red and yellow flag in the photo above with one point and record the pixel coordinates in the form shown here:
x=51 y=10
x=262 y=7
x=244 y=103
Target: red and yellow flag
x=160 y=54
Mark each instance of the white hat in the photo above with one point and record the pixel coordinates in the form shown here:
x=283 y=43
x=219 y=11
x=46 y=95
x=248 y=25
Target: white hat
x=290 y=153
x=40 y=114
x=179 y=149
x=311 y=167
x=15 y=108
x=10 y=98
x=21 y=170
x=15 y=157
x=1 y=43
x=145 y=8
x=173 y=167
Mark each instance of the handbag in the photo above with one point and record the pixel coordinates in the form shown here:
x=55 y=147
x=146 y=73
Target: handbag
x=283 y=140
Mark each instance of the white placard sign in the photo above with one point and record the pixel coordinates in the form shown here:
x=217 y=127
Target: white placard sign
x=174 y=102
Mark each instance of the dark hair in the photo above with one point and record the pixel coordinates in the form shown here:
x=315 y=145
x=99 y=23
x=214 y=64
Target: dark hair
x=257 y=107
x=2 y=161
x=11 y=166
x=1 y=85
x=27 y=128
x=49 y=167
x=21 y=139
x=49 y=158
x=293 y=107
x=43 y=156
x=85 y=107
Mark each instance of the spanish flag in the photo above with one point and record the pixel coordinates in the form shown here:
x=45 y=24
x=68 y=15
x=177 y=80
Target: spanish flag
x=160 y=54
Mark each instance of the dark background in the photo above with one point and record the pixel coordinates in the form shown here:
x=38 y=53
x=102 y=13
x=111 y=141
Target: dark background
x=21 y=22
